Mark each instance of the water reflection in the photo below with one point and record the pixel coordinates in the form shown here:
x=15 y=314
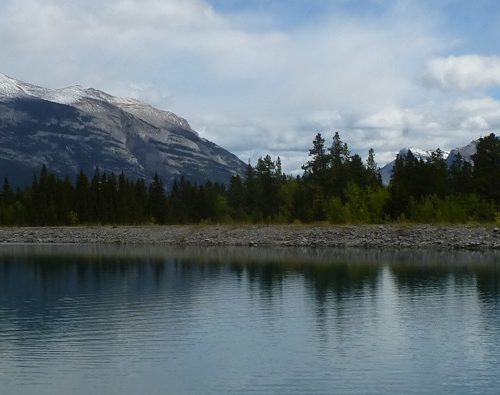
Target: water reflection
x=144 y=319
x=488 y=280
x=439 y=271
x=36 y=281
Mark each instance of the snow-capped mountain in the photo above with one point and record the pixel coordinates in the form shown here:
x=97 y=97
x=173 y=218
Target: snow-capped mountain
x=386 y=171
x=74 y=128
x=465 y=152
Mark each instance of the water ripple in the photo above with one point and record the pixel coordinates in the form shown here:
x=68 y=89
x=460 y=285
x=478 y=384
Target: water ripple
x=189 y=323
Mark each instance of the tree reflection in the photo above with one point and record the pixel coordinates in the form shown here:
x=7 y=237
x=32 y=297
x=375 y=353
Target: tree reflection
x=487 y=280
x=341 y=279
x=414 y=277
x=35 y=284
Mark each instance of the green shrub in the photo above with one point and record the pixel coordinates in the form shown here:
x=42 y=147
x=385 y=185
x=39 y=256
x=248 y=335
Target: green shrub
x=337 y=212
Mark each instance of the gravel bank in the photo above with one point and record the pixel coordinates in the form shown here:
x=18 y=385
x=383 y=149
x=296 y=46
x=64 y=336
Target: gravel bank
x=364 y=236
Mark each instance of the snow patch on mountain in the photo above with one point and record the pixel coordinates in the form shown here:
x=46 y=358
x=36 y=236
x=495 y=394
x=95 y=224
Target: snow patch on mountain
x=10 y=87
x=72 y=95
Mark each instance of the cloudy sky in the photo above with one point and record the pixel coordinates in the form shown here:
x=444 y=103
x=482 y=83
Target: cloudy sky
x=264 y=76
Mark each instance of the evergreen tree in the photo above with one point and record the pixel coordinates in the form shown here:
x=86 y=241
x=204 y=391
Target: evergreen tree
x=318 y=164
x=400 y=189
x=486 y=170
x=43 y=205
x=335 y=186
x=96 y=198
x=82 y=197
x=436 y=182
x=108 y=190
x=269 y=179
x=374 y=180
x=251 y=194
x=236 y=198
x=140 y=193
x=157 y=200
x=66 y=203
x=339 y=152
x=356 y=171
x=460 y=176
x=339 y=168
x=371 y=165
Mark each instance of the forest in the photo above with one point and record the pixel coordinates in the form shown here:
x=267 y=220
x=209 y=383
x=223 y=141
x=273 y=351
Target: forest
x=335 y=187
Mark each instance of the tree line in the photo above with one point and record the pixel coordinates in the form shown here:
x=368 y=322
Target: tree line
x=335 y=186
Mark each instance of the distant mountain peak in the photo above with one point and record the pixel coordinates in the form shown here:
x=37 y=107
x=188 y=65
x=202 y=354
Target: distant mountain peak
x=76 y=128
x=71 y=95
x=466 y=153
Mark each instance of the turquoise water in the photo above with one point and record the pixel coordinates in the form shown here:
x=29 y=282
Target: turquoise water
x=139 y=320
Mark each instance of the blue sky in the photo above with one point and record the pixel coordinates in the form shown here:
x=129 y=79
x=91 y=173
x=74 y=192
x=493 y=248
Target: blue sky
x=474 y=23
x=265 y=76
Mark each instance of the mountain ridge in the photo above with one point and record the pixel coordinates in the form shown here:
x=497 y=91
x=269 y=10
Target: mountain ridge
x=76 y=128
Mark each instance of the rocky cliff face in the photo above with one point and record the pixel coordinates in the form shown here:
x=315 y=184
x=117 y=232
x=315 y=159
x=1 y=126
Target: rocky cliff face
x=73 y=129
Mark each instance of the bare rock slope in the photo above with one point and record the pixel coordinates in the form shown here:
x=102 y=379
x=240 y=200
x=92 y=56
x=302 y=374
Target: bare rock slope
x=73 y=129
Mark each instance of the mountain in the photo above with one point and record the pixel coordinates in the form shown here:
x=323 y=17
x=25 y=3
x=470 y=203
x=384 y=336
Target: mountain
x=386 y=171
x=465 y=152
x=74 y=128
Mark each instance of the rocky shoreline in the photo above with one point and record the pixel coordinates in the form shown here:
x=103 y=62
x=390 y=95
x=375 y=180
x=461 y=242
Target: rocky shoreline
x=348 y=236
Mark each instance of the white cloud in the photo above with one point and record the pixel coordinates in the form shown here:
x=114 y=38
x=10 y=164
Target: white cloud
x=463 y=72
x=475 y=122
x=259 y=90
x=446 y=125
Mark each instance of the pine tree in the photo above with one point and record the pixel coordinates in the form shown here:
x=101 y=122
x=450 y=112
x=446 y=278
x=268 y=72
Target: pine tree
x=251 y=192
x=339 y=168
x=140 y=193
x=400 y=186
x=374 y=180
x=82 y=197
x=338 y=151
x=157 y=200
x=371 y=165
x=269 y=180
x=236 y=198
x=486 y=170
x=318 y=164
x=96 y=198
x=437 y=175
x=356 y=171
x=460 y=176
